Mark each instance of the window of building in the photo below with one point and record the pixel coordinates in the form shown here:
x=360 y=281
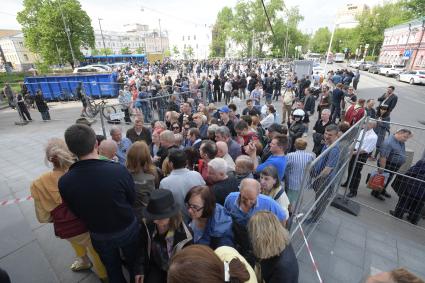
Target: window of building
x=188 y=37
x=196 y=45
x=194 y=37
x=25 y=57
x=183 y=38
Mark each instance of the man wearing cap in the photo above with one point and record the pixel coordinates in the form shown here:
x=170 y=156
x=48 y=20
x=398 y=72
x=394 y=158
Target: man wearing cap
x=162 y=235
x=225 y=120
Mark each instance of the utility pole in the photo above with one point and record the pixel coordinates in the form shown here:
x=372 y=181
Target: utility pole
x=103 y=39
x=67 y=34
x=160 y=38
x=329 y=48
x=252 y=46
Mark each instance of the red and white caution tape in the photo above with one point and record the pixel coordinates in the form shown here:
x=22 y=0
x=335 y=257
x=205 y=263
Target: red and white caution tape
x=308 y=249
x=14 y=201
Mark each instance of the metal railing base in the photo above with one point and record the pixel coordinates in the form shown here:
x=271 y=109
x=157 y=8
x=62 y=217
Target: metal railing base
x=346 y=205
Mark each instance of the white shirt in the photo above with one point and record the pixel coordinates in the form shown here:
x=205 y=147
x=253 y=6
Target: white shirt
x=267 y=121
x=227 y=86
x=369 y=141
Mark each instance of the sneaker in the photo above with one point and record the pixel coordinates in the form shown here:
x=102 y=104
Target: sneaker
x=305 y=134
x=79 y=265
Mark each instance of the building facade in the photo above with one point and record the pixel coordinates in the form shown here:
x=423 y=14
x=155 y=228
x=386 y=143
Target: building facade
x=197 y=38
x=346 y=16
x=14 y=51
x=137 y=38
x=405 y=44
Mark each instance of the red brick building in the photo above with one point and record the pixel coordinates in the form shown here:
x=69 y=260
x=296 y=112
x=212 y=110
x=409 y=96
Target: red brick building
x=405 y=44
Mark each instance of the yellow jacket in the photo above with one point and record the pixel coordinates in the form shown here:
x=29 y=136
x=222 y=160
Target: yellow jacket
x=46 y=195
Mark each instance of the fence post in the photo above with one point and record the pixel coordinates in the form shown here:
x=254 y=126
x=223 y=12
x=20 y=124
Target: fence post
x=102 y=120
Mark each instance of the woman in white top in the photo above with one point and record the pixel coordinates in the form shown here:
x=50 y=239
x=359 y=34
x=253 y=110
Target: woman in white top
x=270 y=186
x=270 y=117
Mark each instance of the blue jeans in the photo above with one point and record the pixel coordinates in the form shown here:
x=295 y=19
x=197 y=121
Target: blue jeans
x=108 y=246
x=146 y=111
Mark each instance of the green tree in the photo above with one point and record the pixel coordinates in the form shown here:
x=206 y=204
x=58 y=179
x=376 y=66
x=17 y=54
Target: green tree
x=140 y=50
x=125 y=50
x=320 y=40
x=105 y=51
x=221 y=32
x=188 y=52
x=415 y=7
x=287 y=33
x=44 y=31
x=372 y=23
x=176 y=51
x=167 y=52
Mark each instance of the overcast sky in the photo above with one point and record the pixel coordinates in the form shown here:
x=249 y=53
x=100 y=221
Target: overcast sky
x=178 y=15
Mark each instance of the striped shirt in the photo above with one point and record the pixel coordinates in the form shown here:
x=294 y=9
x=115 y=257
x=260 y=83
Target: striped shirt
x=294 y=172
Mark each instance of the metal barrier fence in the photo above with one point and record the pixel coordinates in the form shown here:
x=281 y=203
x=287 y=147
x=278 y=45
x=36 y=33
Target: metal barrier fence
x=404 y=183
x=322 y=178
x=153 y=108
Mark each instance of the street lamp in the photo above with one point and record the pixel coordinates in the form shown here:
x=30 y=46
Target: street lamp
x=67 y=34
x=103 y=39
x=329 y=48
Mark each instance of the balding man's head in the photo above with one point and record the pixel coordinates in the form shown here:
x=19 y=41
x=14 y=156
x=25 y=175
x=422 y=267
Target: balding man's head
x=108 y=148
x=222 y=149
x=249 y=191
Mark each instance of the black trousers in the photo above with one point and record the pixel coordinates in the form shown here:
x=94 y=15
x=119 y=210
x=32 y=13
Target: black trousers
x=126 y=115
x=217 y=95
x=355 y=180
x=411 y=205
x=25 y=113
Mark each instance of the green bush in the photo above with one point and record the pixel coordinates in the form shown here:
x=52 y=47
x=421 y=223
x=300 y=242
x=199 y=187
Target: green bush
x=371 y=58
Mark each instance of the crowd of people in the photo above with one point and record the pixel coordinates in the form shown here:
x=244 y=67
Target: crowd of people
x=206 y=192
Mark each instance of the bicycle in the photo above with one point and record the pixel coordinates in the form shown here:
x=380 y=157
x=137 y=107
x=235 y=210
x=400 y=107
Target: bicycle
x=93 y=108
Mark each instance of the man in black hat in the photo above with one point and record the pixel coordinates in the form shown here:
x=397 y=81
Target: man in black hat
x=162 y=235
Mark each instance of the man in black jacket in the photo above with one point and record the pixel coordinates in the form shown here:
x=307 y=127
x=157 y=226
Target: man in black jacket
x=389 y=99
x=101 y=194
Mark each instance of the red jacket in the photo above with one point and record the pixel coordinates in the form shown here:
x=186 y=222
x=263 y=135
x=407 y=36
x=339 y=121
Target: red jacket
x=354 y=113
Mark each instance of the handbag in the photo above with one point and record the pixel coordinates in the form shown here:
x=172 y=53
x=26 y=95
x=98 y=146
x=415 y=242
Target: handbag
x=65 y=223
x=377 y=181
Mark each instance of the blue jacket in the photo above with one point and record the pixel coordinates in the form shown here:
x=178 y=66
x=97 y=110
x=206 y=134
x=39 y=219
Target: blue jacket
x=218 y=231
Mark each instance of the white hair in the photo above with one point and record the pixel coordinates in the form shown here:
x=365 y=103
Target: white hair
x=326 y=110
x=219 y=165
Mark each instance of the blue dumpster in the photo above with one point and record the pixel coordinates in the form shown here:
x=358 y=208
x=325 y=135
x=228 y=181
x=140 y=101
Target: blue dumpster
x=63 y=87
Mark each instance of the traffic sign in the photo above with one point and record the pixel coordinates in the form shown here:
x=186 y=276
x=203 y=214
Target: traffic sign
x=407 y=53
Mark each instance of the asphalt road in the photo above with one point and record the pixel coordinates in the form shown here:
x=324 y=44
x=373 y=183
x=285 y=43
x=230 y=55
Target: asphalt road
x=411 y=98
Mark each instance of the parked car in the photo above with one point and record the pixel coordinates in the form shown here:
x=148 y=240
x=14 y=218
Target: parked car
x=391 y=70
x=354 y=64
x=412 y=77
x=89 y=69
x=374 y=69
x=105 y=67
x=364 y=66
